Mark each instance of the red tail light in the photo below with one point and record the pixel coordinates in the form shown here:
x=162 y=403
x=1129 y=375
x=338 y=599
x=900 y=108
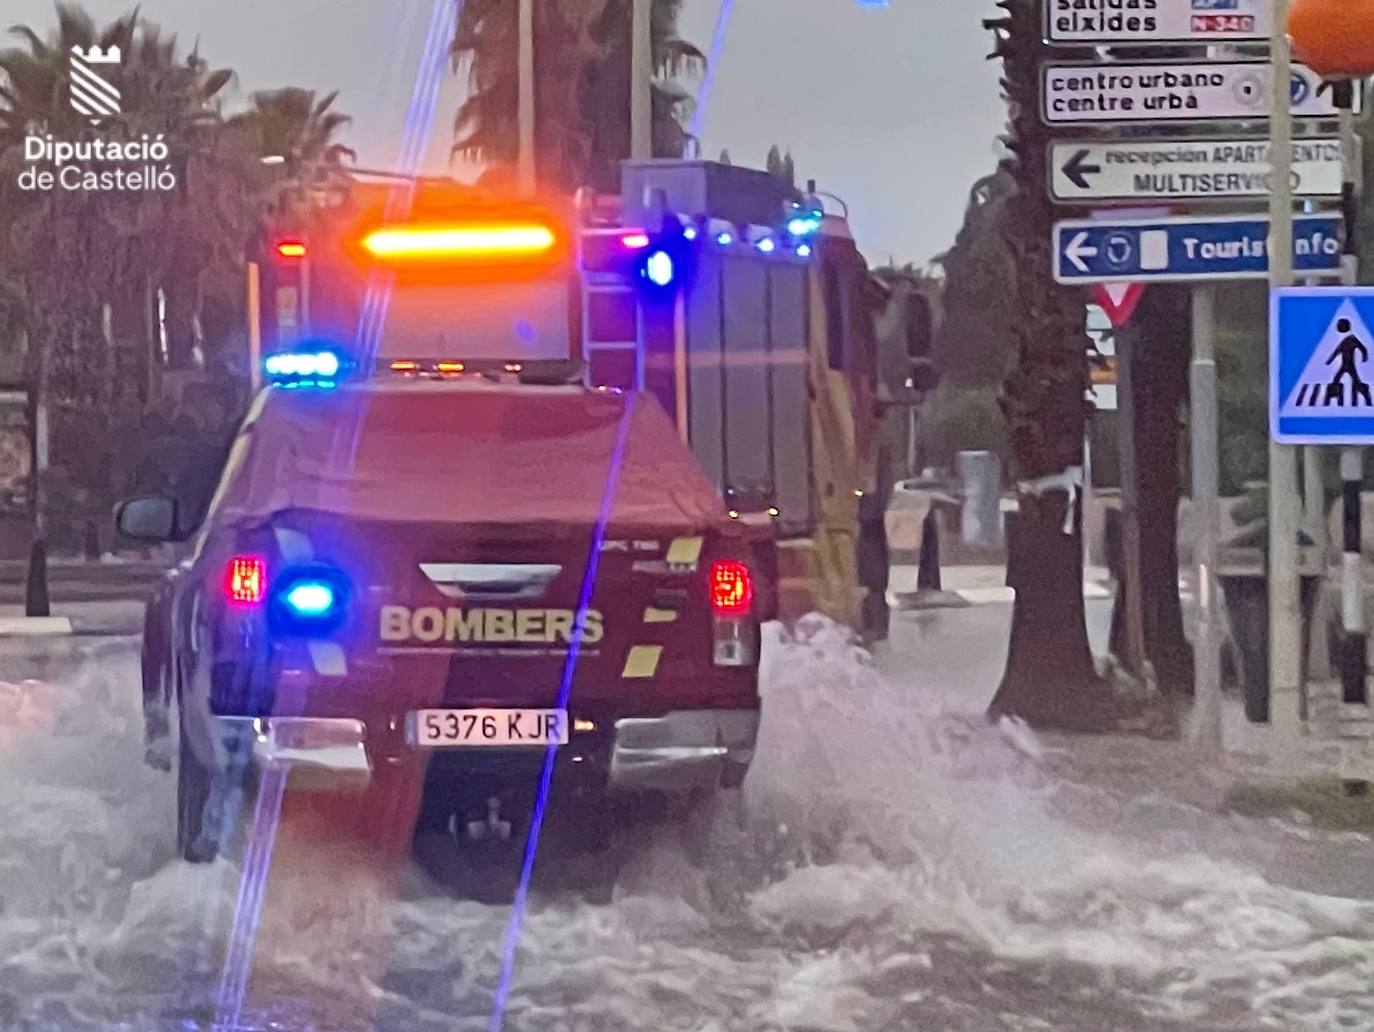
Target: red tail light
x=292 y=249
x=732 y=588
x=245 y=580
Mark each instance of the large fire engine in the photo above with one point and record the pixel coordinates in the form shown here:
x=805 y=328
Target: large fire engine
x=740 y=304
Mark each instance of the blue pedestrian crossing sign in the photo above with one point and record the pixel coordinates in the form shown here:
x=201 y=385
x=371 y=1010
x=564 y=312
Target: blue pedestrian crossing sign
x=1321 y=365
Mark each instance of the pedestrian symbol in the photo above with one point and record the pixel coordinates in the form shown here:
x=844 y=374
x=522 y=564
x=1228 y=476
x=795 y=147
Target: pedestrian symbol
x=1322 y=365
x=1337 y=377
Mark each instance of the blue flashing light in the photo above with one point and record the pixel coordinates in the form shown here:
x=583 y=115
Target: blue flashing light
x=310 y=598
x=804 y=251
x=660 y=269
x=312 y=367
x=725 y=238
x=689 y=233
x=766 y=245
x=803 y=225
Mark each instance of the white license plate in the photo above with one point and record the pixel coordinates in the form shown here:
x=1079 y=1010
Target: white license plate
x=443 y=728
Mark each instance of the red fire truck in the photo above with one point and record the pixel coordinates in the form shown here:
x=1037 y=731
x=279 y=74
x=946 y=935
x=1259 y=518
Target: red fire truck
x=740 y=304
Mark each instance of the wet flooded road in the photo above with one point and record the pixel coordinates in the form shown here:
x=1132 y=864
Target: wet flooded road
x=892 y=863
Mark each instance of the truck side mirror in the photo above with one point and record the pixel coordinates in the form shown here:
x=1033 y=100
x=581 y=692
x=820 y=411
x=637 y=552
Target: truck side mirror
x=148 y=518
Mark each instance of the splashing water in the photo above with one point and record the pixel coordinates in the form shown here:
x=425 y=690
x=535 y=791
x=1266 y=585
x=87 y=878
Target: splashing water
x=892 y=863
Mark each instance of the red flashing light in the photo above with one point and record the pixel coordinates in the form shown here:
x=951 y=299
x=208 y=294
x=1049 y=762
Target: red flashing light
x=449 y=368
x=291 y=249
x=404 y=365
x=245 y=580
x=732 y=588
x=635 y=241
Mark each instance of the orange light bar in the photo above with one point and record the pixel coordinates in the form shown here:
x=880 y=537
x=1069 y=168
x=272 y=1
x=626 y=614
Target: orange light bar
x=436 y=241
x=449 y=367
x=291 y=249
x=404 y=365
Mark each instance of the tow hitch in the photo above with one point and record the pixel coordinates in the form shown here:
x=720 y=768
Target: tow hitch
x=491 y=828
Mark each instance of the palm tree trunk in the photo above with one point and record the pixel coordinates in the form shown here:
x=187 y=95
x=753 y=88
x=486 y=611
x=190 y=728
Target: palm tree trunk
x=1050 y=679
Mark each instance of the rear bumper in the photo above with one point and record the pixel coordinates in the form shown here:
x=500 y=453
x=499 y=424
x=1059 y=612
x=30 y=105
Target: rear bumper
x=674 y=753
x=682 y=750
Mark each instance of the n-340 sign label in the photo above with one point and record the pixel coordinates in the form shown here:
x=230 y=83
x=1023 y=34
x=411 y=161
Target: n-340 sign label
x=1155 y=21
x=1139 y=170
x=1172 y=92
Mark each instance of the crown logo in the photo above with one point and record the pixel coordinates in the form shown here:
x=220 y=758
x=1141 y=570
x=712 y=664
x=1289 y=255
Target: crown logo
x=92 y=94
x=94 y=55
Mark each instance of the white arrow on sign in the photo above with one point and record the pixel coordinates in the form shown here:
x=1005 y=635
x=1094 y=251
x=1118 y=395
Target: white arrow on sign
x=1076 y=252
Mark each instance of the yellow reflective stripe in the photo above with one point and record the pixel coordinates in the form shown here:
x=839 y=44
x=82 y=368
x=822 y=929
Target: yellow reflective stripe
x=642 y=661
x=652 y=615
x=684 y=551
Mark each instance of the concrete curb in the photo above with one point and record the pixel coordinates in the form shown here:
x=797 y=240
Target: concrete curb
x=35 y=626
x=992 y=596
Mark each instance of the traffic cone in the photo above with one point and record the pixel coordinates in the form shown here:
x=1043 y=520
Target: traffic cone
x=36 y=588
x=928 y=569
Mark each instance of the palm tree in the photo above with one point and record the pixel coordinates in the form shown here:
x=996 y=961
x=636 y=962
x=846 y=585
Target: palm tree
x=296 y=131
x=1050 y=679
x=89 y=263
x=582 y=87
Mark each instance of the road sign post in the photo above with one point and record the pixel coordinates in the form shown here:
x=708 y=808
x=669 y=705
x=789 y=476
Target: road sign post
x=1190 y=249
x=1206 y=518
x=1285 y=618
x=1139 y=659
x=1354 y=651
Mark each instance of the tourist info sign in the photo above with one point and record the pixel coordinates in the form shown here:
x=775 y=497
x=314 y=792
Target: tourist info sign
x=1155 y=21
x=1161 y=91
x=1321 y=365
x=1219 y=170
x=1186 y=249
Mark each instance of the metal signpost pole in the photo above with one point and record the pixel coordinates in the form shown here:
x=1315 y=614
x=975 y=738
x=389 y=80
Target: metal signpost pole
x=525 y=116
x=641 y=82
x=254 y=328
x=1354 y=657
x=1285 y=618
x=1130 y=509
x=1206 y=517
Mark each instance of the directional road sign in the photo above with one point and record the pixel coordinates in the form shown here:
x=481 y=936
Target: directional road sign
x=1155 y=21
x=1220 y=170
x=1161 y=91
x=1321 y=365
x=1187 y=249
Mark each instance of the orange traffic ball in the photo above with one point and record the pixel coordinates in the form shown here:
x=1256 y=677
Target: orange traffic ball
x=1335 y=38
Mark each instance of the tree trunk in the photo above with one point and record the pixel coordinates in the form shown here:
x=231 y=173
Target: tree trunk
x=1160 y=387
x=1050 y=680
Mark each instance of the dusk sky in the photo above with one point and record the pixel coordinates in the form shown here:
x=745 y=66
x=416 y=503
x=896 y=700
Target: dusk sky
x=893 y=108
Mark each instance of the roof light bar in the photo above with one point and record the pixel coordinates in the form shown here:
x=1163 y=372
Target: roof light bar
x=305 y=368
x=433 y=241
